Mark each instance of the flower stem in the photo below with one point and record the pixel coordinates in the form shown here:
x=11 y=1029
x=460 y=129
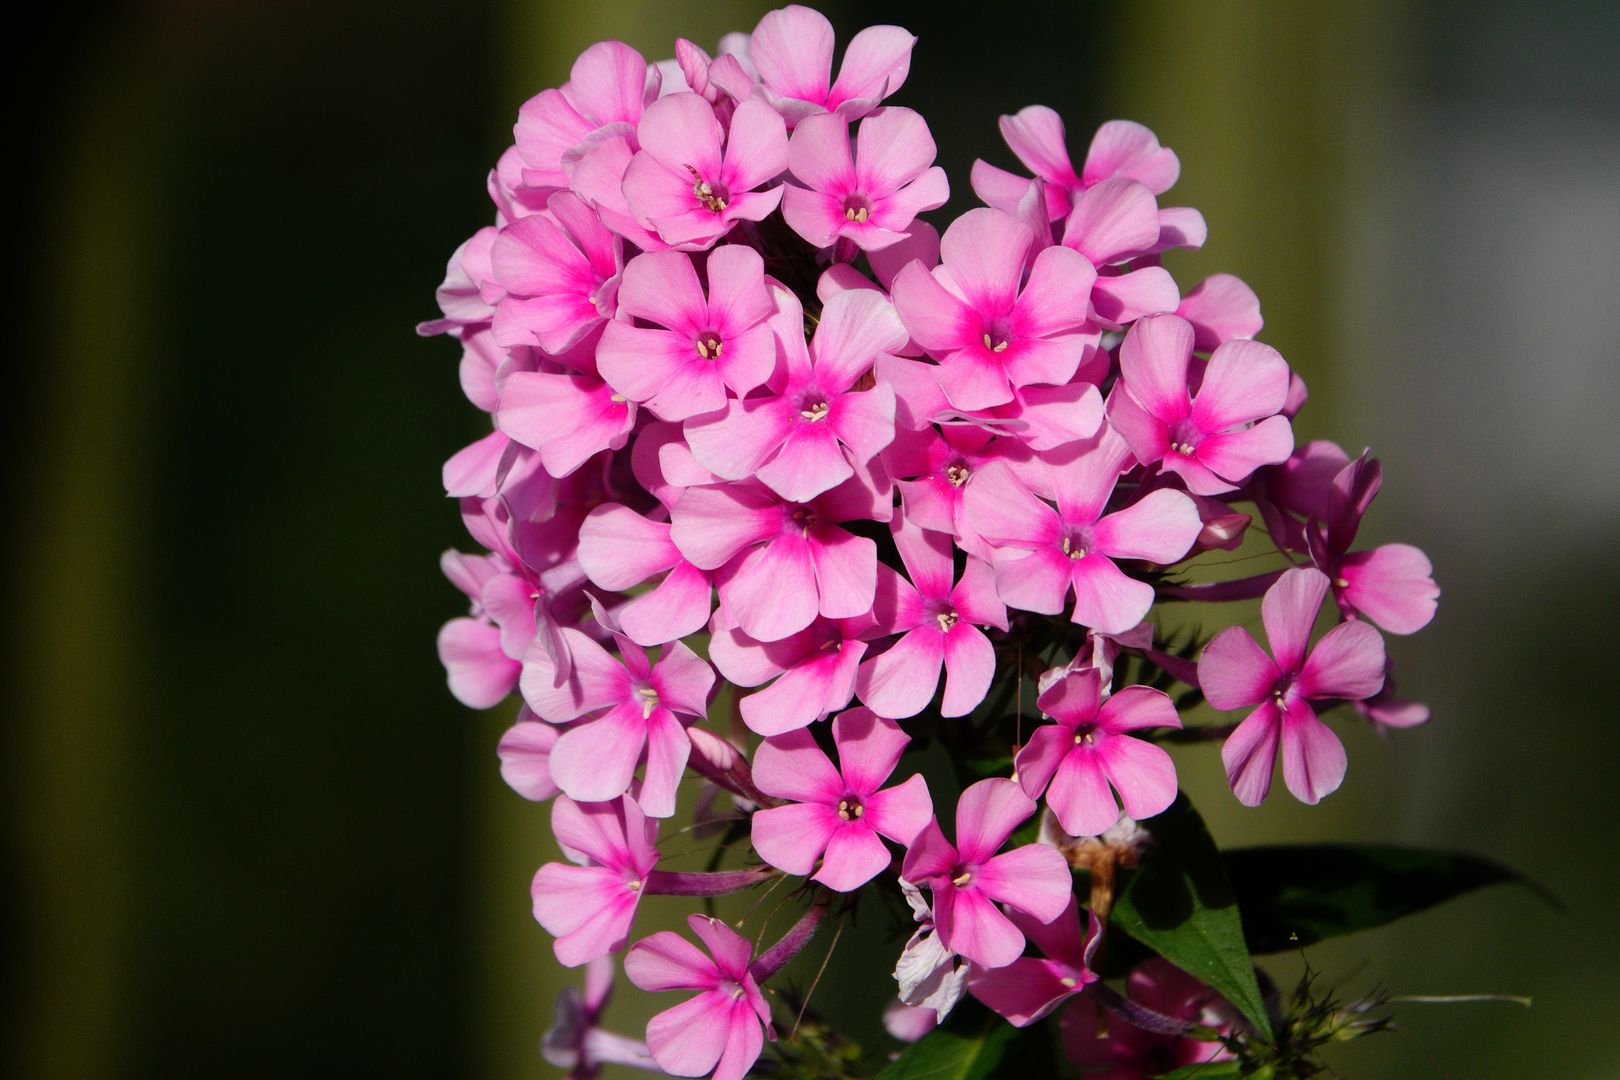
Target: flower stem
x=703 y=883
x=1242 y=589
x=798 y=936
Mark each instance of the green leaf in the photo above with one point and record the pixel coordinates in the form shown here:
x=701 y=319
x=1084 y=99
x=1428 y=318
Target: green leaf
x=1180 y=905
x=968 y=1046
x=1213 y=1070
x=1294 y=895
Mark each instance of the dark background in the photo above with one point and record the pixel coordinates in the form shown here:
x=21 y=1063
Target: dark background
x=252 y=834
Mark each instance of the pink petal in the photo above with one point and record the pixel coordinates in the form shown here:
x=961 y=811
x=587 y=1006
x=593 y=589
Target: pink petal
x=1289 y=611
x=1040 y=757
x=772 y=592
x=875 y=65
x=1124 y=148
x=1234 y=671
x=736 y=442
x=868 y=749
x=680 y=131
x=1245 y=381
x=1105 y=599
x=608 y=83
x=1079 y=795
x=1153 y=363
x=902 y=681
x=1347 y=663
x=730 y=949
x=970 y=665
x=854 y=856
x=793 y=766
x=1035 y=135
x=662 y=287
x=902 y=811
x=678 y=606
x=1125 y=298
x=601 y=832
x=936 y=318
x=1135 y=708
x=814 y=215
x=595 y=680
x=525 y=753
x=756 y=152
x=986 y=815
x=1180 y=227
x=689 y=1039
x=1220 y=308
x=744 y=1041
x=864 y=421
x=791 y=838
x=1005 y=512
x=1037 y=582
x=480 y=674
x=1033 y=878
x=971 y=925
x=845 y=568
x=1141 y=772
x=806 y=692
x=619 y=548
x=1250 y=753
x=471 y=470
x=667 y=961
x=1112 y=220
x=1235 y=455
x=567 y=418
x=929 y=855
x=855 y=327
x=588 y=909
x=595 y=761
x=984 y=252
x=819 y=157
x=894 y=147
x=1056 y=296
x=1160 y=527
x=792 y=49
x=1313 y=758
x=1024 y=991
x=711 y=524
x=1392 y=585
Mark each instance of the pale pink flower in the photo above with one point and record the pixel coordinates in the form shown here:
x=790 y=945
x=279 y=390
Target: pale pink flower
x=1090 y=747
x=868 y=197
x=968 y=879
x=1120 y=149
x=610 y=84
x=619 y=549
x=808 y=435
x=589 y=907
x=792 y=48
x=1041 y=552
x=567 y=418
x=814 y=671
x=697 y=347
x=1215 y=439
x=560 y=271
x=1235 y=673
x=1030 y=987
x=525 y=753
x=468 y=296
x=1111 y=223
x=1221 y=308
x=693 y=179
x=1109 y=1047
x=630 y=705
x=939 y=626
x=837 y=815
x=990 y=327
x=723 y=1027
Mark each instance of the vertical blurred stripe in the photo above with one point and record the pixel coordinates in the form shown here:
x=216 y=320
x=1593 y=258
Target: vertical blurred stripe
x=78 y=778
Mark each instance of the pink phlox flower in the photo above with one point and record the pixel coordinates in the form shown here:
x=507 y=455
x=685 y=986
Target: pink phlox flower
x=939 y=626
x=1030 y=987
x=696 y=347
x=610 y=84
x=1041 y=552
x=567 y=418
x=991 y=328
x=1040 y=417
x=871 y=195
x=811 y=431
x=596 y=169
x=663 y=465
x=469 y=293
x=908 y=1023
x=792 y=49
x=560 y=270
x=1120 y=150
x=632 y=708
x=513 y=198
x=1119 y=1050
x=814 y=671
x=723 y=1028
x=837 y=815
x=1213 y=438
x=693 y=178
x=929 y=975
x=1297 y=488
x=1090 y=747
x=1235 y=673
x=1224 y=528
x=781 y=563
x=1221 y=308
x=1112 y=223
x=525 y=754
x=1388 y=713
x=479 y=672
x=619 y=549
x=729 y=74
x=933 y=469
x=1393 y=584
x=576 y=1041
x=589 y=906
x=968 y=879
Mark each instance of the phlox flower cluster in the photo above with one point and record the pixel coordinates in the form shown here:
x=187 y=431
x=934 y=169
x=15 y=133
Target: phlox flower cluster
x=781 y=481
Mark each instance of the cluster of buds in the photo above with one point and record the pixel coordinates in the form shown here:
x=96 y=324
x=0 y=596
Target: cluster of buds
x=751 y=414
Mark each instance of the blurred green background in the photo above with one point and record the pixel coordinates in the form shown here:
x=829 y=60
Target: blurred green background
x=251 y=834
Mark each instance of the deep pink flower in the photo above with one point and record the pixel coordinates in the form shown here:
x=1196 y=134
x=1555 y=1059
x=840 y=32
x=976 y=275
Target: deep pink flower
x=814 y=669
x=1120 y=149
x=781 y=562
x=870 y=196
x=567 y=418
x=1235 y=673
x=969 y=879
x=589 y=907
x=933 y=468
x=991 y=329
x=560 y=270
x=609 y=84
x=1090 y=747
x=1393 y=584
x=577 y=1042
x=1119 y=1050
x=723 y=1027
x=810 y=433
x=698 y=347
x=631 y=706
x=1030 y=987
x=693 y=180
x=1213 y=440
x=939 y=626
x=619 y=549
x=793 y=51
x=1040 y=553
x=841 y=812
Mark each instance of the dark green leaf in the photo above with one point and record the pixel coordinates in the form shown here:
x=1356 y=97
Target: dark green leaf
x=1180 y=905
x=1294 y=895
x=968 y=1046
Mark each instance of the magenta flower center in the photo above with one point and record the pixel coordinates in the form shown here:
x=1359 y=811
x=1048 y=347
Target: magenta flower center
x=648 y=698
x=946 y=620
x=1085 y=735
x=804 y=517
x=1184 y=438
x=813 y=410
x=997 y=335
x=711 y=194
x=856 y=208
x=709 y=345
x=1077 y=543
x=850 y=808
x=957 y=473
x=962 y=875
